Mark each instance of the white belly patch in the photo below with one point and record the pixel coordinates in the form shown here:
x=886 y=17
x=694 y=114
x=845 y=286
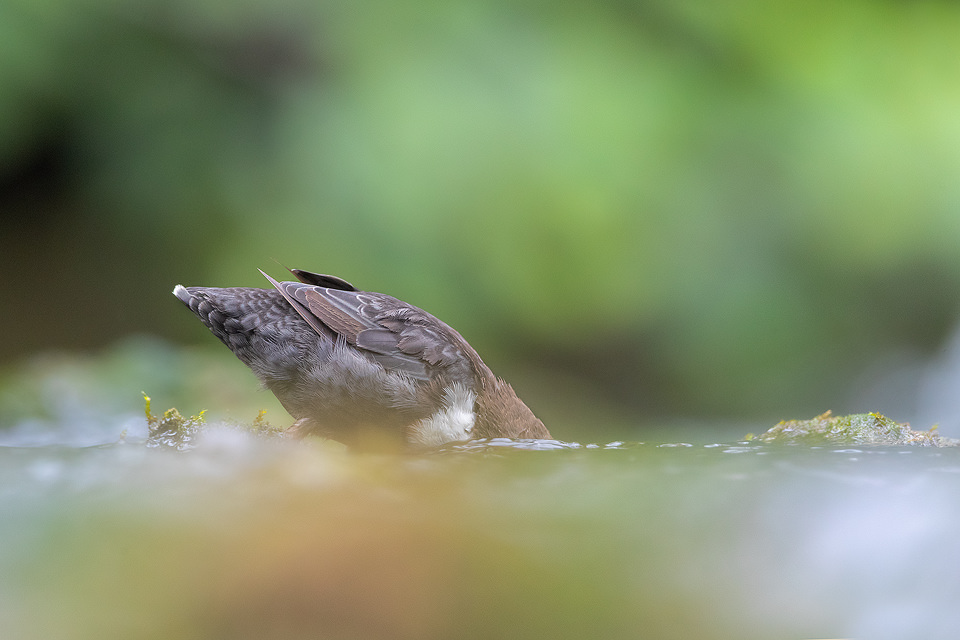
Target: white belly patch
x=453 y=423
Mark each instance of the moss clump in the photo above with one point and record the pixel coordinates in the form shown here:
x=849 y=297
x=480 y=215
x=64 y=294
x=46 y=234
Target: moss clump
x=860 y=428
x=177 y=432
x=261 y=427
x=172 y=430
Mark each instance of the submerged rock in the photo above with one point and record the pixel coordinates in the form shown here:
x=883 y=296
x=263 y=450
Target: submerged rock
x=859 y=428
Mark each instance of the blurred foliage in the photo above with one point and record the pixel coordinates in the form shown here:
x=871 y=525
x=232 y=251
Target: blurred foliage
x=695 y=208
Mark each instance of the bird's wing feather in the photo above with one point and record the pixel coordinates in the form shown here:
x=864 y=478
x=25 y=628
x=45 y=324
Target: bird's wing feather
x=398 y=335
x=311 y=319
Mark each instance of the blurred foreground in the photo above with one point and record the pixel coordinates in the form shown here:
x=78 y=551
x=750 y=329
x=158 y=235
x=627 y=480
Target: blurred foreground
x=254 y=537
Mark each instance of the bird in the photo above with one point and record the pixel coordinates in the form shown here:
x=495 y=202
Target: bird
x=361 y=367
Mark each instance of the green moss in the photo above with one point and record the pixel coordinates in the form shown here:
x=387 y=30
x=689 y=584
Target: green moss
x=175 y=431
x=172 y=430
x=860 y=428
x=263 y=428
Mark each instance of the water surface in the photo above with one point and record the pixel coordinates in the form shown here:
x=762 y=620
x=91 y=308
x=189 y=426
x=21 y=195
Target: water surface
x=253 y=537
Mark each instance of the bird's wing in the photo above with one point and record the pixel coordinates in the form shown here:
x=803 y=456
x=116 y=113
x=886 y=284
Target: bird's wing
x=400 y=336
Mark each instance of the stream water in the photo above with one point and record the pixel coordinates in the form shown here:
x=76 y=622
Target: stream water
x=255 y=537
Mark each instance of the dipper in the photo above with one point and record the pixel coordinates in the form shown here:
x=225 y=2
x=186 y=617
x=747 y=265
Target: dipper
x=357 y=366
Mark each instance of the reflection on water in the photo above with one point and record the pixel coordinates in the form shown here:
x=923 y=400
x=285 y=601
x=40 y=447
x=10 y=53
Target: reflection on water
x=246 y=537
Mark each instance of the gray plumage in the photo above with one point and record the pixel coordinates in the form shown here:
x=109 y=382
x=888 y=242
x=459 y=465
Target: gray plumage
x=350 y=364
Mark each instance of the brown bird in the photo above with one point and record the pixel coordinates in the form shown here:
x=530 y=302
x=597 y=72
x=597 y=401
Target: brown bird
x=359 y=367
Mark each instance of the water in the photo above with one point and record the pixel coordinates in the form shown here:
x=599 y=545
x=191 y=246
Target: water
x=255 y=537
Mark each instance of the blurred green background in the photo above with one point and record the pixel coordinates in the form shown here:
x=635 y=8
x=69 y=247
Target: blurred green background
x=634 y=210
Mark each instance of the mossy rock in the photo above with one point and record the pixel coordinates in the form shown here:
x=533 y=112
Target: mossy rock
x=174 y=431
x=860 y=429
